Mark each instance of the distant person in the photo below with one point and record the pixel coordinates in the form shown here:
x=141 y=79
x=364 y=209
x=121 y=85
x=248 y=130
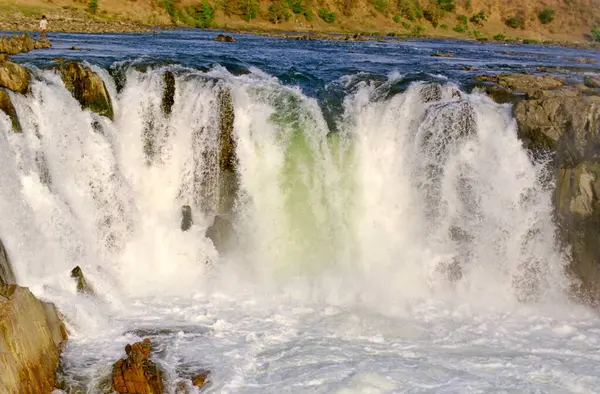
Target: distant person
x=43 y=26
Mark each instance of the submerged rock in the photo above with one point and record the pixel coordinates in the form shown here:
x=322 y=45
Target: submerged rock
x=87 y=87
x=14 y=77
x=8 y=108
x=82 y=286
x=224 y=38
x=137 y=374
x=31 y=340
x=186 y=218
x=168 y=98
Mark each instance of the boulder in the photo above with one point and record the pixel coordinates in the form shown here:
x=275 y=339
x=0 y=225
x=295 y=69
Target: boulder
x=12 y=45
x=87 y=87
x=221 y=233
x=200 y=379
x=137 y=374
x=82 y=286
x=168 y=98
x=8 y=108
x=30 y=344
x=186 y=218
x=592 y=82
x=14 y=77
x=224 y=38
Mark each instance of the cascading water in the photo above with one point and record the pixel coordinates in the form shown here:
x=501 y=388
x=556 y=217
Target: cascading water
x=411 y=203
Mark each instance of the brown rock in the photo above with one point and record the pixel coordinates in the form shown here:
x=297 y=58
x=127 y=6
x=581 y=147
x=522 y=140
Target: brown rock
x=14 y=77
x=88 y=88
x=8 y=108
x=22 y=43
x=592 y=82
x=201 y=379
x=442 y=54
x=137 y=374
x=82 y=286
x=224 y=38
x=7 y=276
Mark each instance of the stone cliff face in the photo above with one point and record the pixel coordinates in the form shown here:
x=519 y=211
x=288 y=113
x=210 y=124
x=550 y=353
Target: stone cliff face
x=563 y=120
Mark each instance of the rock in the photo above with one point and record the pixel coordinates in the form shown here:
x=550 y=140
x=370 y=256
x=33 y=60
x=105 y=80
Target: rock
x=592 y=82
x=431 y=92
x=469 y=68
x=14 y=77
x=441 y=54
x=82 y=286
x=137 y=374
x=228 y=182
x=87 y=87
x=221 y=233
x=12 y=45
x=75 y=48
x=200 y=379
x=186 y=218
x=168 y=92
x=30 y=344
x=8 y=108
x=225 y=38
x=7 y=276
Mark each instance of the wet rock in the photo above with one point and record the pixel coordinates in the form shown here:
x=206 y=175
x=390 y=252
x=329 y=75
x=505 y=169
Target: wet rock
x=82 y=286
x=30 y=344
x=221 y=233
x=523 y=83
x=592 y=82
x=186 y=218
x=431 y=92
x=8 y=108
x=200 y=379
x=441 y=54
x=168 y=98
x=228 y=182
x=7 y=276
x=14 y=77
x=87 y=87
x=224 y=38
x=137 y=374
x=22 y=43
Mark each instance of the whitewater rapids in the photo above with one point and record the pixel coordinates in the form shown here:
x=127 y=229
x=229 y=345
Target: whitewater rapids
x=396 y=243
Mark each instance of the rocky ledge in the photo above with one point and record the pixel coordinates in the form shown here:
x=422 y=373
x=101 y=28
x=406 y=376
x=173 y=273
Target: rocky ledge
x=31 y=340
x=11 y=45
x=560 y=120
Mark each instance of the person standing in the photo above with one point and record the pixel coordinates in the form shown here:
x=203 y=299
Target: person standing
x=43 y=26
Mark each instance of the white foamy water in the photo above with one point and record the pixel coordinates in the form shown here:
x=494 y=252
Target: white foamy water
x=412 y=249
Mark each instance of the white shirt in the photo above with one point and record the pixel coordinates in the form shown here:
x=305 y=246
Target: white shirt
x=43 y=24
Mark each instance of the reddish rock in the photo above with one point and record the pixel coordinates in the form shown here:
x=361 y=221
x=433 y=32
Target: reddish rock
x=137 y=374
x=201 y=379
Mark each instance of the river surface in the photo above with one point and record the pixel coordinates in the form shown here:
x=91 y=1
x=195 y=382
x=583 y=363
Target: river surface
x=392 y=235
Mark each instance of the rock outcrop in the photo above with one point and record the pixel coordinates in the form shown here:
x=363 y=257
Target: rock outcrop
x=14 y=77
x=82 y=286
x=8 y=108
x=563 y=120
x=228 y=182
x=168 y=98
x=224 y=38
x=137 y=374
x=6 y=273
x=186 y=218
x=12 y=45
x=88 y=88
x=30 y=344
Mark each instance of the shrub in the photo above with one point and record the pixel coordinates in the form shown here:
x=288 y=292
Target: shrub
x=515 y=22
x=596 y=34
x=170 y=8
x=278 y=12
x=447 y=5
x=410 y=9
x=406 y=25
x=478 y=18
x=380 y=6
x=445 y=27
x=460 y=28
x=418 y=30
x=462 y=19
x=308 y=15
x=499 y=37
x=327 y=15
x=546 y=16
x=248 y=9
x=297 y=6
x=396 y=19
x=202 y=15
x=433 y=15
x=468 y=5
x=93 y=6
x=530 y=41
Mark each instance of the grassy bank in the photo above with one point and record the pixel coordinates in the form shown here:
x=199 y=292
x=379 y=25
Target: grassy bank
x=574 y=21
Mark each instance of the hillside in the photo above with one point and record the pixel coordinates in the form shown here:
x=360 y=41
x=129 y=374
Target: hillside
x=541 y=20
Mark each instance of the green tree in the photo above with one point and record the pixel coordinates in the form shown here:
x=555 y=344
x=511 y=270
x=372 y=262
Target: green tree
x=327 y=15
x=278 y=12
x=93 y=6
x=248 y=9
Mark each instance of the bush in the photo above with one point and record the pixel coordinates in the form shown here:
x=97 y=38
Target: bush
x=297 y=6
x=478 y=18
x=447 y=5
x=170 y=8
x=462 y=19
x=406 y=25
x=327 y=15
x=460 y=28
x=418 y=30
x=396 y=19
x=530 y=41
x=500 y=37
x=468 y=4
x=93 y=6
x=278 y=12
x=380 y=6
x=409 y=9
x=546 y=16
x=308 y=15
x=249 y=10
x=202 y=15
x=515 y=22
x=596 y=34
x=433 y=15
x=445 y=27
